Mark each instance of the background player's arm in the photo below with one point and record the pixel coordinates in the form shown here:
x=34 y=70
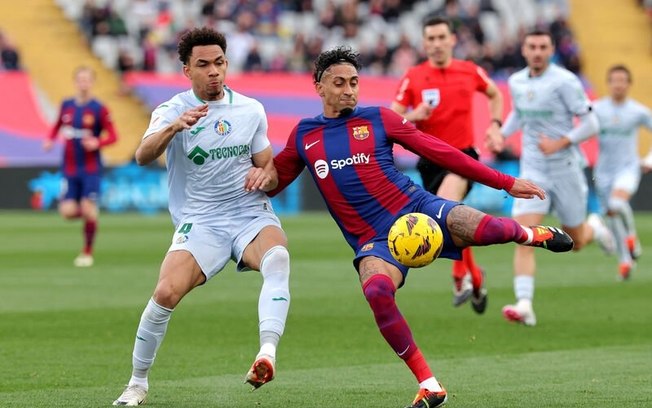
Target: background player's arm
x=493 y=137
x=511 y=125
x=587 y=127
x=421 y=112
x=91 y=143
x=646 y=164
x=49 y=141
x=153 y=146
x=574 y=98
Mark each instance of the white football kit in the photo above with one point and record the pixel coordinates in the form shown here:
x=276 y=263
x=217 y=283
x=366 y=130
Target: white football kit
x=547 y=104
x=618 y=165
x=214 y=217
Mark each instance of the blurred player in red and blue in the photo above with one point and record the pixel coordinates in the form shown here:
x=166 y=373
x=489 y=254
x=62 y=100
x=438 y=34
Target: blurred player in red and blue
x=82 y=121
x=348 y=152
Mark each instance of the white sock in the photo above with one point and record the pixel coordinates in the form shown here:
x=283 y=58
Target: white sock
x=530 y=235
x=150 y=333
x=524 y=287
x=139 y=381
x=267 y=349
x=274 y=300
x=600 y=231
x=430 y=384
x=618 y=230
x=624 y=210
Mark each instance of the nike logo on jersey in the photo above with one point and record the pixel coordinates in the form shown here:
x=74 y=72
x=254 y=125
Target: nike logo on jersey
x=309 y=145
x=438 y=215
x=197 y=130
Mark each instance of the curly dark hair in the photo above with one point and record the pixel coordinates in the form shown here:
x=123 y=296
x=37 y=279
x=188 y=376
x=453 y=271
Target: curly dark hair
x=339 y=55
x=199 y=36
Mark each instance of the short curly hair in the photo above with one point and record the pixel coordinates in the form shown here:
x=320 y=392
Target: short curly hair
x=199 y=36
x=339 y=55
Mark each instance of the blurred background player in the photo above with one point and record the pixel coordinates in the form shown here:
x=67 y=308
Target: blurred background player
x=81 y=123
x=219 y=162
x=618 y=169
x=441 y=92
x=546 y=99
x=348 y=151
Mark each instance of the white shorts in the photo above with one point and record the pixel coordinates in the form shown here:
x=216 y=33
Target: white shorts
x=626 y=179
x=566 y=194
x=213 y=245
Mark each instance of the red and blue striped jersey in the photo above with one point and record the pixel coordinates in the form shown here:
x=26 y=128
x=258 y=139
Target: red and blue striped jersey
x=76 y=122
x=352 y=163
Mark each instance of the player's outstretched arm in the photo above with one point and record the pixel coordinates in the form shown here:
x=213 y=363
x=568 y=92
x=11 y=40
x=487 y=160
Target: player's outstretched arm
x=155 y=144
x=526 y=189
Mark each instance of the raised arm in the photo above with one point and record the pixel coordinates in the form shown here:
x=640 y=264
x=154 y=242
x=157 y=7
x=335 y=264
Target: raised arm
x=153 y=145
x=435 y=150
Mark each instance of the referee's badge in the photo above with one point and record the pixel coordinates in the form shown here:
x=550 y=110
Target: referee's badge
x=431 y=96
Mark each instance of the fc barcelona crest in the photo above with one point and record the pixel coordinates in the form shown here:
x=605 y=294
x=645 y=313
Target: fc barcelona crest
x=88 y=120
x=360 y=132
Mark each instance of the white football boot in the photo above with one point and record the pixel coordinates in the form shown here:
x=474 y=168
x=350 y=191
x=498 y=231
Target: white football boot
x=521 y=312
x=132 y=396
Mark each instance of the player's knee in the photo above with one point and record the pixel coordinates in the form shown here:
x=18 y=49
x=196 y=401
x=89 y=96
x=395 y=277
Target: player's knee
x=166 y=295
x=379 y=291
x=276 y=262
x=616 y=205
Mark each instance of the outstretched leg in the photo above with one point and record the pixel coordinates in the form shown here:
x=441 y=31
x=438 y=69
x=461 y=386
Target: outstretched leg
x=379 y=281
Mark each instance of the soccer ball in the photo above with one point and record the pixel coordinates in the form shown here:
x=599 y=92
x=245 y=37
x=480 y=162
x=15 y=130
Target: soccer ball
x=415 y=240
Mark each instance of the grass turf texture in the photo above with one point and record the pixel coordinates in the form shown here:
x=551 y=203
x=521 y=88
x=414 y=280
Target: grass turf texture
x=66 y=334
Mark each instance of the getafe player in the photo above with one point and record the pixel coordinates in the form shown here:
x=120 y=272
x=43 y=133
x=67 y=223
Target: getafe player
x=618 y=170
x=219 y=162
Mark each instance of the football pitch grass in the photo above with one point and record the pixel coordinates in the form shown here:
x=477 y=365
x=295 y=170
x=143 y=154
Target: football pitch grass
x=66 y=334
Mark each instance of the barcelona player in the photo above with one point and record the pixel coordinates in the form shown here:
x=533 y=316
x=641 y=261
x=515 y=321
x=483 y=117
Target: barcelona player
x=82 y=122
x=441 y=90
x=348 y=152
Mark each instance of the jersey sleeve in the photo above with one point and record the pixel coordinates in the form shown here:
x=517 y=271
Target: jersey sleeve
x=404 y=93
x=646 y=118
x=163 y=115
x=288 y=164
x=57 y=125
x=437 y=151
x=481 y=79
x=260 y=140
x=107 y=124
x=573 y=96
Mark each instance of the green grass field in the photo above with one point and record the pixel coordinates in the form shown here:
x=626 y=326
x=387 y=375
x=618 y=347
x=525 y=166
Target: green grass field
x=66 y=334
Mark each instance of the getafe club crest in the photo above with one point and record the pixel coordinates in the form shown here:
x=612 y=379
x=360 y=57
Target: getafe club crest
x=223 y=127
x=431 y=96
x=360 y=132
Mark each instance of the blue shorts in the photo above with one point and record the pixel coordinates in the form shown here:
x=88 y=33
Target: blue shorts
x=78 y=187
x=432 y=205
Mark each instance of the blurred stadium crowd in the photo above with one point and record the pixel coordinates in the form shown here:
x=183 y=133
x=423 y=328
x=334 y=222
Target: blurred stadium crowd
x=286 y=35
